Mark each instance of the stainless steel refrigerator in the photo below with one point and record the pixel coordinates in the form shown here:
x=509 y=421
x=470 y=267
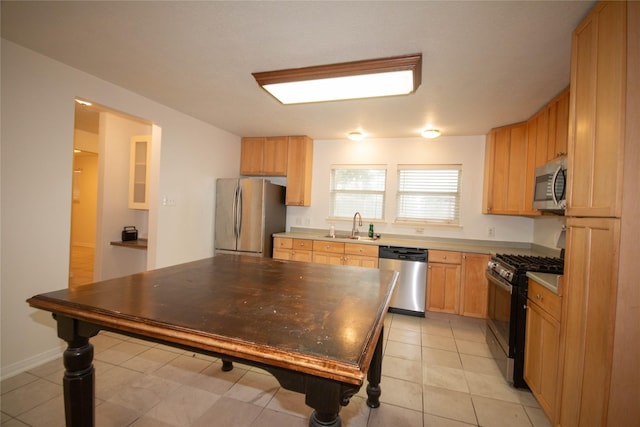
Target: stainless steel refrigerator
x=248 y=212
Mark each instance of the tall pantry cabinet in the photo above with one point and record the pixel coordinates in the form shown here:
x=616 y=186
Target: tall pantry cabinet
x=600 y=324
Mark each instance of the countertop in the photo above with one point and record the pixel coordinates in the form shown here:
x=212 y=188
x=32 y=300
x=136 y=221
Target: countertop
x=426 y=242
x=548 y=280
x=134 y=244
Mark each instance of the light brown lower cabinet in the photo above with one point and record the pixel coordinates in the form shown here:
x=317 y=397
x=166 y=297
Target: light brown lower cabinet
x=325 y=252
x=542 y=346
x=443 y=287
x=338 y=253
x=474 y=287
x=456 y=283
x=589 y=325
x=292 y=249
x=328 y=252
x=358 y=255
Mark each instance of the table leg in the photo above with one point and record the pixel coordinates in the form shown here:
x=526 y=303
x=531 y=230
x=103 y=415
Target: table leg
x=227 y=365
x=374 y=375
x=324 y=396
x=79 y=375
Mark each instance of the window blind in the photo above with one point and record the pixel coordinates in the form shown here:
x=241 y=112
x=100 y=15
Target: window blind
x=357 y=188
x=429 y=193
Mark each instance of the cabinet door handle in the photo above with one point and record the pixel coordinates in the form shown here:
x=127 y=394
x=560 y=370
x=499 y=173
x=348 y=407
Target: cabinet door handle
x=539 y=297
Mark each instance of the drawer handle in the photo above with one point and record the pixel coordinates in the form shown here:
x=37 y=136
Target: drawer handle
x=539 y=297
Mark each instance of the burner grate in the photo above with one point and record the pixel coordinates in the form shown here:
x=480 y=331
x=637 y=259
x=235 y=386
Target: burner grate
x=538 y=264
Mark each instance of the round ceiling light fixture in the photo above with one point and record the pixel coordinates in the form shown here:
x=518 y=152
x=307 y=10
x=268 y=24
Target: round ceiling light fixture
x=356 y=136
x=430 y=133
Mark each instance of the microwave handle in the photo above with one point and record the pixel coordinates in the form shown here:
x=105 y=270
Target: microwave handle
x=553 y=185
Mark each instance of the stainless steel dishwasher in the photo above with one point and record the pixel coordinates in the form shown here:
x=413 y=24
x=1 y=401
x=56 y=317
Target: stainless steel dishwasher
x=411 y=288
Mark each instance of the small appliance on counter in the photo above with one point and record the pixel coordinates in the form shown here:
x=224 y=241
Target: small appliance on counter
x=129 y=233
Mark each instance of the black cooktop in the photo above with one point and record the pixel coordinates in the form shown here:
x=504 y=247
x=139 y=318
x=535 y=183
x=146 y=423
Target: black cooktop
x=524 y=263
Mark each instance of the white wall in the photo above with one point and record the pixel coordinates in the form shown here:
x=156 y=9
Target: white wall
x=113 y=190
x=468 y=151
x=547 y=229
x=37 y=142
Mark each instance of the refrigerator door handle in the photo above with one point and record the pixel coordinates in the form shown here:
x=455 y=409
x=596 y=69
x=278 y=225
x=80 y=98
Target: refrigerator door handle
x=239 y=212
x=235 y=213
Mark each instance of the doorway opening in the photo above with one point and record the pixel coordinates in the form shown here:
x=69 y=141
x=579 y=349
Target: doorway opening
x=100 y=207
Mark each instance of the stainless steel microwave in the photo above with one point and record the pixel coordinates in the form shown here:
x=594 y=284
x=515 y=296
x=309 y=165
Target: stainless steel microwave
x=551 y=186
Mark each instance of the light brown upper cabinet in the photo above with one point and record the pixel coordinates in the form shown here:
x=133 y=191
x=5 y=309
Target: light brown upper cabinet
x=547 y=134
x=597 y=112
x=299 y=171
x=264 y=156
x=558 y=134
x=290 y=156
x=506 y=170
x=548 y=130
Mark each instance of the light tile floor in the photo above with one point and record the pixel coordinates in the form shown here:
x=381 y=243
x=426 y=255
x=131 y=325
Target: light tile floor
x=436 y=372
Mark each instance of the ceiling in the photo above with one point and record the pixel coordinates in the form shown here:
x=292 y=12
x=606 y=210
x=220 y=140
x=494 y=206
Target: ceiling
x=485 y=64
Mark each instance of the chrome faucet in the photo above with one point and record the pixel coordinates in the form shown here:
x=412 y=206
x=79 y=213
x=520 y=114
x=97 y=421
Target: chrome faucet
x=354 y=229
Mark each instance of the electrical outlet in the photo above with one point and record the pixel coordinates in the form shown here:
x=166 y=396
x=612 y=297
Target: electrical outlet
x=491 y=232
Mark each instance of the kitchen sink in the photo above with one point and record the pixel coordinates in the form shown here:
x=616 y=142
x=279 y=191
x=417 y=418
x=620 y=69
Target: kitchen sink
x=349 y=237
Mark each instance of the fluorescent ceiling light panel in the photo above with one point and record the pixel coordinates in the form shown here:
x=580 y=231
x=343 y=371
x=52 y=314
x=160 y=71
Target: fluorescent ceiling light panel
x=350 y=80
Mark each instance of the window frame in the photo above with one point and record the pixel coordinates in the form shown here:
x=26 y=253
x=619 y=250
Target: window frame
x=333 y=192
x=431 y=221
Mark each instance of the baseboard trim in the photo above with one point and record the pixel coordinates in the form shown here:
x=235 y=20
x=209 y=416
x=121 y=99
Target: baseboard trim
x=31 y=362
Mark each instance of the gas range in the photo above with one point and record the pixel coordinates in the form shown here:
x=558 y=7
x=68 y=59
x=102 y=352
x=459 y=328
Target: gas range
x=506 y=318
x=511 y=267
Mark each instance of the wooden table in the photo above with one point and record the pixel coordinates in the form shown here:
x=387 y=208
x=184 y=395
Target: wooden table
x=317 y=328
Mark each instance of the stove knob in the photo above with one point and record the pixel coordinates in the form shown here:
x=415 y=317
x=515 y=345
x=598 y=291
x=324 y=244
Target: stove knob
x=506 y=274
x=492 y=265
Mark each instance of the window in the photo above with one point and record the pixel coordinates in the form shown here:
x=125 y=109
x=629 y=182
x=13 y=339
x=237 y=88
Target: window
x=429 y=193
x=356 y=188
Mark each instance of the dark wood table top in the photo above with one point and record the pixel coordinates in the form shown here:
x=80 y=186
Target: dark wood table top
x=317 y=319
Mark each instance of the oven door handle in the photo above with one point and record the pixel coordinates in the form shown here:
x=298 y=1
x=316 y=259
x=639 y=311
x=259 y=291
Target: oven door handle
x=503 y=286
